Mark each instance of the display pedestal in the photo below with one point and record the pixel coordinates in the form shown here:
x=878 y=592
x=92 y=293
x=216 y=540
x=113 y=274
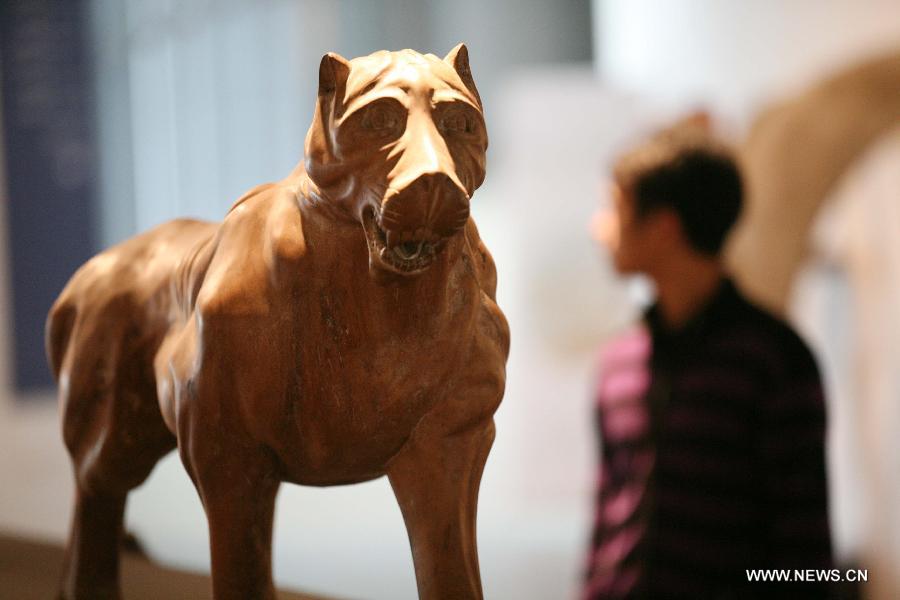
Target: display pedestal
x=30 y=570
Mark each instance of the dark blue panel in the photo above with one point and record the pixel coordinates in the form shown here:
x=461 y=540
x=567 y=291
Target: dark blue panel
x=50 y=163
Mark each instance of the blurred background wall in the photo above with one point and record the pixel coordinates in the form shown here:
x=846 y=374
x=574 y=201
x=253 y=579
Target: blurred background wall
x=195 y=101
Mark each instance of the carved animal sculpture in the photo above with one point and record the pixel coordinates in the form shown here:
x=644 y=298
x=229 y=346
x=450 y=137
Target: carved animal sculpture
x=337 y=326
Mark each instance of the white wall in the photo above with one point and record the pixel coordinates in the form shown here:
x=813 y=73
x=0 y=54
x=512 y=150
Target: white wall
x=735 y=55
x=856 y=238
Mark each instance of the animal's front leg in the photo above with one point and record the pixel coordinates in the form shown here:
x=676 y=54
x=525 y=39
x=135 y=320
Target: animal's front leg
x=436 y=479
x=238 y=489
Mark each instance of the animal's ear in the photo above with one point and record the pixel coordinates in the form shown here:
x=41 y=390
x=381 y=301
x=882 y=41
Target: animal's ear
x=459 y=59
x=320 y=144
x=333 y=72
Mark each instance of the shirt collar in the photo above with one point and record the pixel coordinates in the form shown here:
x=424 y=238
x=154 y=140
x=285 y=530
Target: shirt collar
x=709 y=317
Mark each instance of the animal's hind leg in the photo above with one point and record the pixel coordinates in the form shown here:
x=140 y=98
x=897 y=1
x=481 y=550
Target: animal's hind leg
x=114 y=440
x=91 y=566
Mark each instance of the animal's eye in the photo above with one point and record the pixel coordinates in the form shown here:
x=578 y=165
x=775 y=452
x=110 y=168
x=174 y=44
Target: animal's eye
x=376 y=123
x=380 y=119
x=456 y=121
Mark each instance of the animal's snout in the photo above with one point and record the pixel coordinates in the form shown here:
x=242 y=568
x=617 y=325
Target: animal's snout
x=429 y=207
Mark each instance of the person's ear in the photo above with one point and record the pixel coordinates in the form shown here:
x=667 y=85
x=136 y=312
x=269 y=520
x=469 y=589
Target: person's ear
x=668 y=226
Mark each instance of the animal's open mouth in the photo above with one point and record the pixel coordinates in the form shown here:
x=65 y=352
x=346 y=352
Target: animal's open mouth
x=407 y=252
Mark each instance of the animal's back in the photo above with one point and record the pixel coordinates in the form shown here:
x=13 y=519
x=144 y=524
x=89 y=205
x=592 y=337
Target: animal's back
x=134 y=282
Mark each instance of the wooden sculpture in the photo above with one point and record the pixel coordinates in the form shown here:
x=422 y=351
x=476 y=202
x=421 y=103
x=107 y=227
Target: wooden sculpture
x=337 y=326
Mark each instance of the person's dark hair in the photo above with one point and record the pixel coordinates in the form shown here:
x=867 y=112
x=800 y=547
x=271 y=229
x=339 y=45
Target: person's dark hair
x=690 y=173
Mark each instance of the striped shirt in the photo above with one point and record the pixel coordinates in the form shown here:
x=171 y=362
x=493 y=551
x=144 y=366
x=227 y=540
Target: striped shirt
x=712 y=458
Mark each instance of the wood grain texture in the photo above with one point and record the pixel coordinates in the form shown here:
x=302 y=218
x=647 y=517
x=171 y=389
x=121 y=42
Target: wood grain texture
x=337 y=326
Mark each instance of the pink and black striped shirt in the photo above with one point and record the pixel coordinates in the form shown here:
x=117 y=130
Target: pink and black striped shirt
x=712 y=458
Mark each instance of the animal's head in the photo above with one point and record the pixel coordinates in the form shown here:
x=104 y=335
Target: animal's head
x=398 y=143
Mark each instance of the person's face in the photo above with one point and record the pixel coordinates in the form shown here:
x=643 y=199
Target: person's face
x=634 y=242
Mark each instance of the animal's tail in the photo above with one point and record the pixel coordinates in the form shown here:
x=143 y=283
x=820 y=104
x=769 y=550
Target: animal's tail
x=60 y=323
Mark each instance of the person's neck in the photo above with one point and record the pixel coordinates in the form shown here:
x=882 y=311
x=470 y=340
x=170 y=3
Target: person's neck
x=684 y=286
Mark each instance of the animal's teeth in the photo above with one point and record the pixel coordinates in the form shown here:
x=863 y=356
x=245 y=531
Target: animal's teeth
x=409 y=250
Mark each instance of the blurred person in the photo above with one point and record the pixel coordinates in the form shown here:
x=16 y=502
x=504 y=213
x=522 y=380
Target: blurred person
x=711 y=412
